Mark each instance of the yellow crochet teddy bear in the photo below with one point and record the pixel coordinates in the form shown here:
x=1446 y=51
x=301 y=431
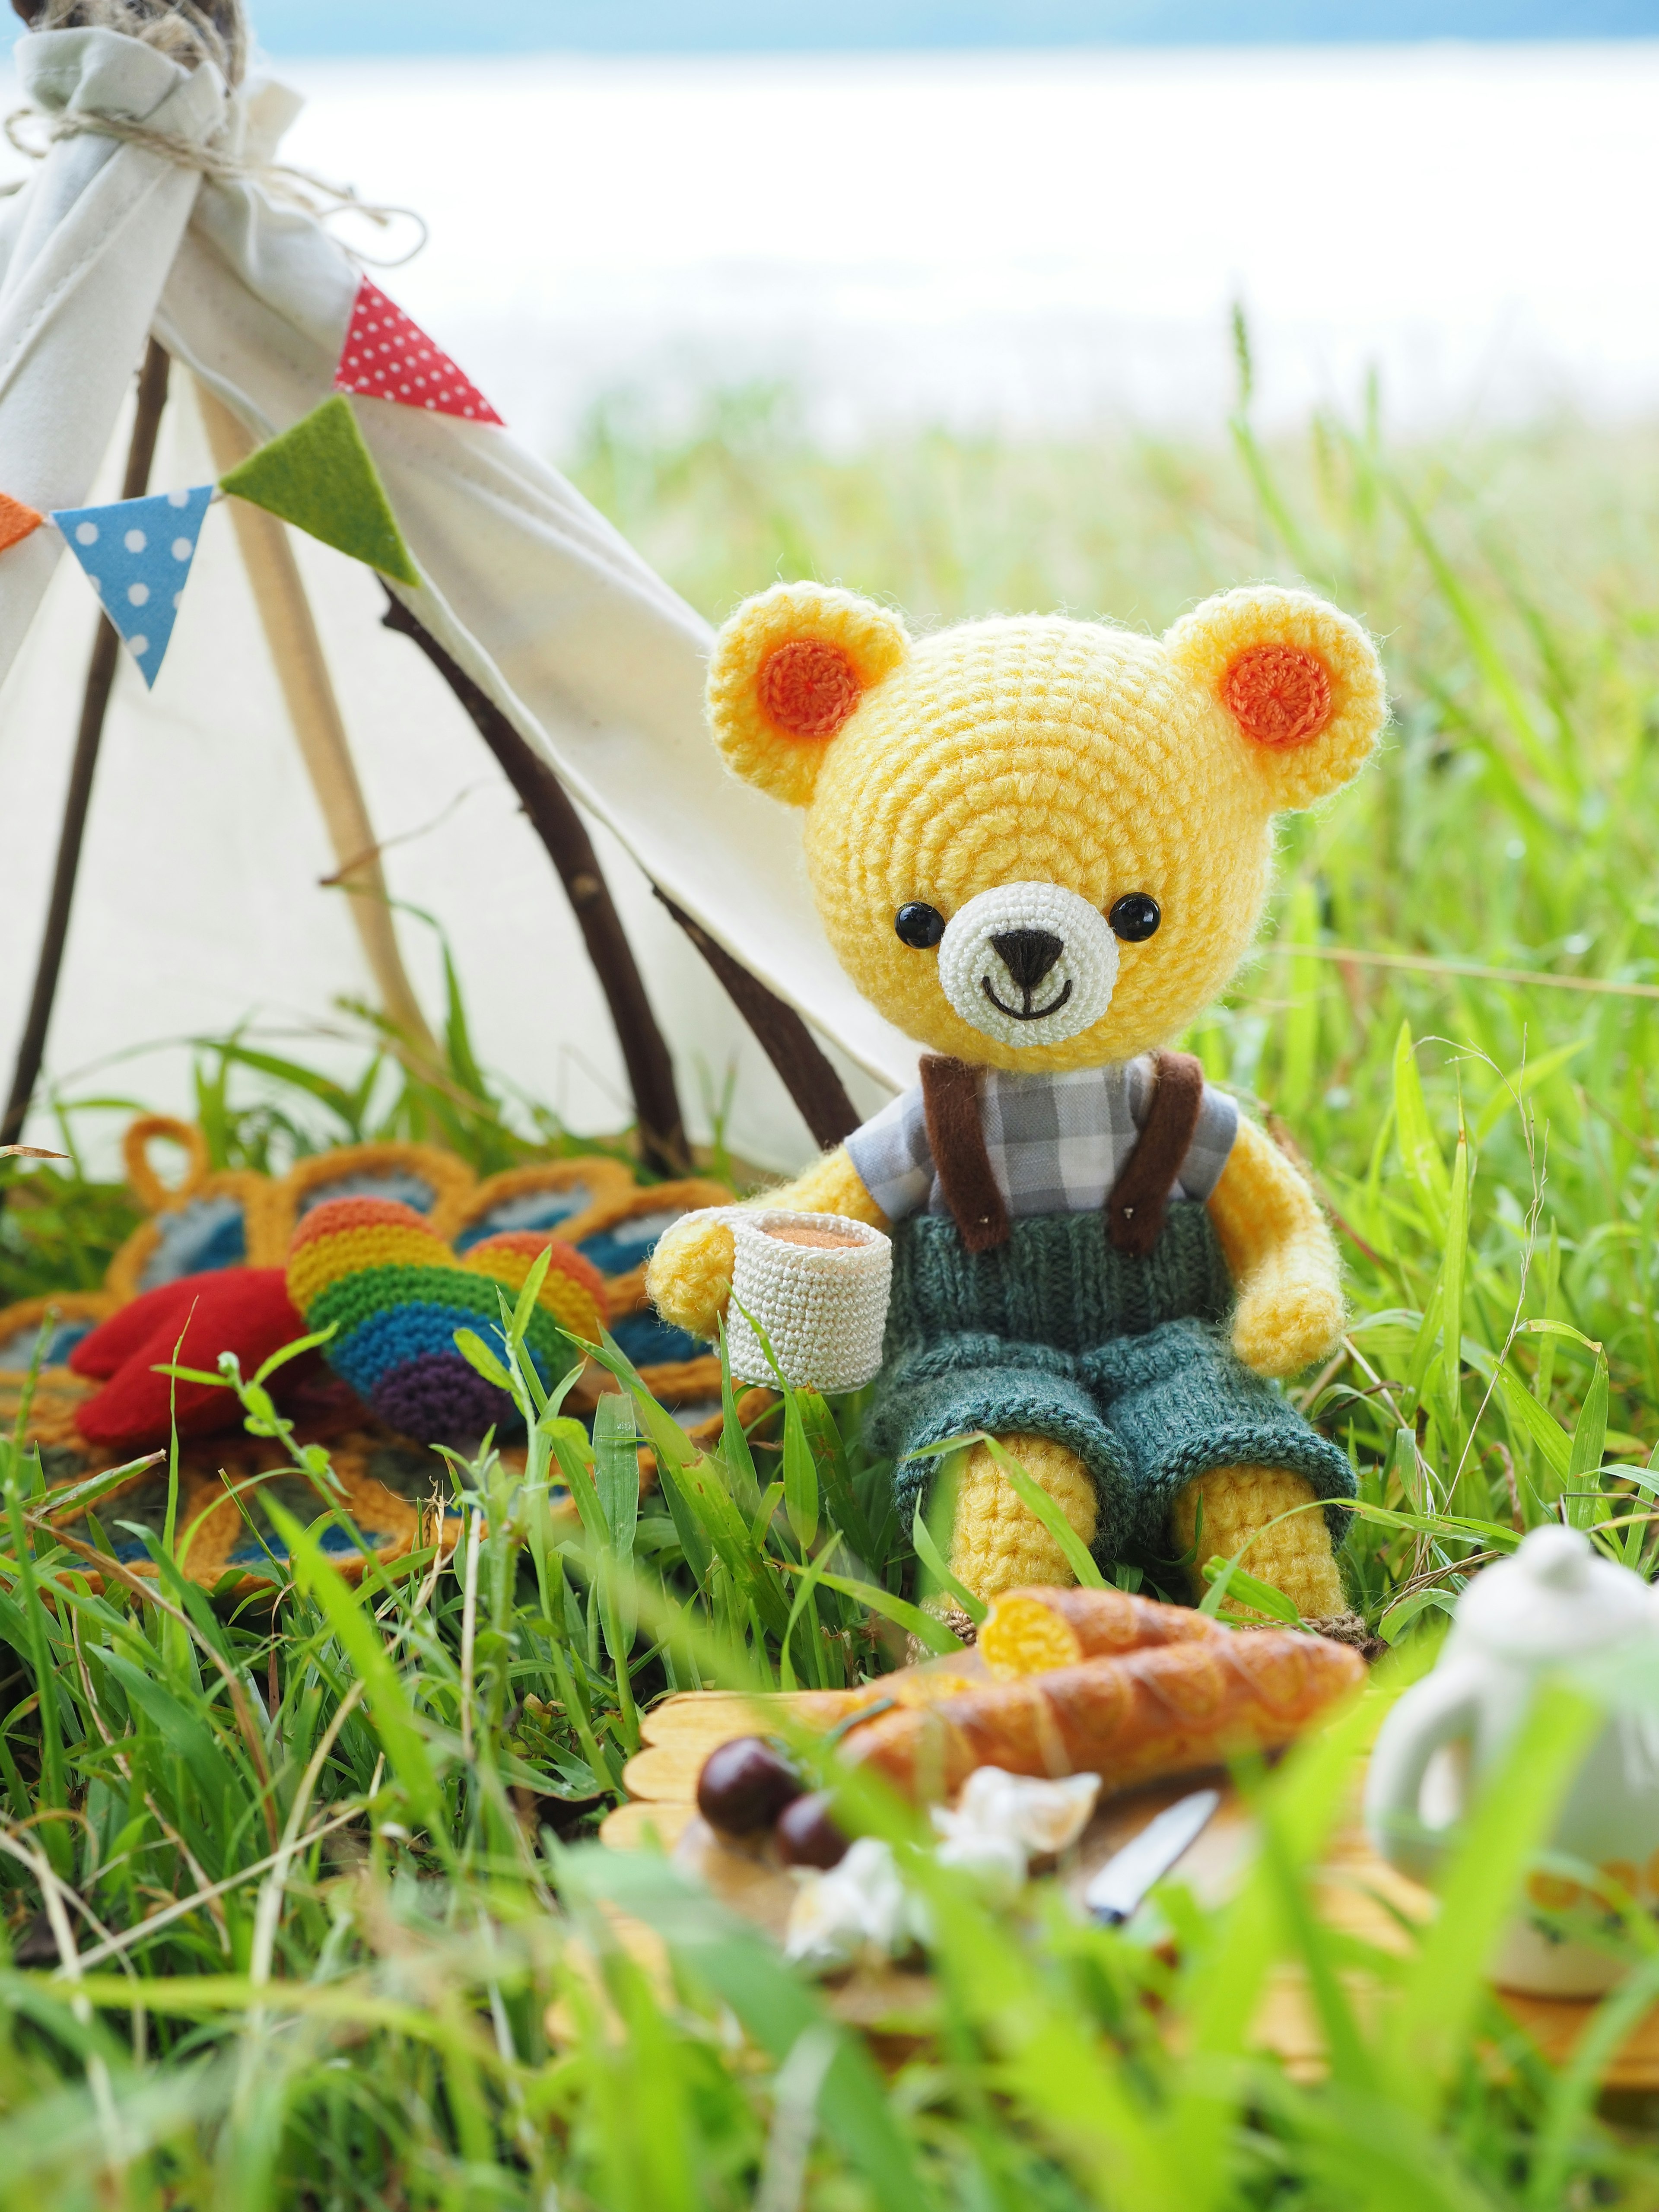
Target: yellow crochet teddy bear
x=1040 y=846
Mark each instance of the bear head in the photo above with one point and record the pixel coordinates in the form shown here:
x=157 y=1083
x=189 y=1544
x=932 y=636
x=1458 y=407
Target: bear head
x=1039 y=844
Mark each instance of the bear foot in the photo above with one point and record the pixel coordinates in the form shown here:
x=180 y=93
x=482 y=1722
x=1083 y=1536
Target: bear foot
x=1295 y=1557
x=997 y=1544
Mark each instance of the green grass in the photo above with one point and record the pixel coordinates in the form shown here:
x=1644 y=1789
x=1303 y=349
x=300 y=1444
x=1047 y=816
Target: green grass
x=389 y=1977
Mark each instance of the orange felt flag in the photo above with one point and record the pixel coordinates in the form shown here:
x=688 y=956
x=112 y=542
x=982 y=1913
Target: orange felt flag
x=16 y=521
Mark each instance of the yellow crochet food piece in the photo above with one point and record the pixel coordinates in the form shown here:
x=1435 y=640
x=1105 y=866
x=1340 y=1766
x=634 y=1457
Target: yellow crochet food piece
x=1023 y=1636
x=997 y=1544
x=1295 y=1556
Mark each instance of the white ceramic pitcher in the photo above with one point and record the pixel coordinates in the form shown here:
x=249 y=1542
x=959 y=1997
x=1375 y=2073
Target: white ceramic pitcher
x=1555 y=1600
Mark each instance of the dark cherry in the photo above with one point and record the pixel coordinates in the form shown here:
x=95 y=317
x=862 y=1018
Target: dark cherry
x=1135 y=917
x=919 y=925
x=807 y=1836
x=745 y=1784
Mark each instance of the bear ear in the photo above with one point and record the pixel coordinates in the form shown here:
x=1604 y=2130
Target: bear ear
x=1301 y=683
x=788 y=669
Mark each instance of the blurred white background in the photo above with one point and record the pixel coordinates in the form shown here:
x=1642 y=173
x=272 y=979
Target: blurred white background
x=1027 y=240
x=1034 y=240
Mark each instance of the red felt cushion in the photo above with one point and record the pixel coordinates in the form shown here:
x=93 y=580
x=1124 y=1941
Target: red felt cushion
x=241 y=1309
x=112 y=1343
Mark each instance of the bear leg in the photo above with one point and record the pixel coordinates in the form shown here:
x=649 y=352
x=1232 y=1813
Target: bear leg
x=1295 y=1556
x=997 y=1544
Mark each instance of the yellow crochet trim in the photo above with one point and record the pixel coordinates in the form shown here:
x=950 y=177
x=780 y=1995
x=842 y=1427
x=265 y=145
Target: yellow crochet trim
x=152 y=1191
x=607 y=1182
x=450 y=1179
x=1280 y=1255
x=27 y=1314
x=124 y=1278
x=53 y=1406
x=688 y=1279
x=1295 y=1556
x=271 y=1209
x=572 y=1305
x=997 y=1545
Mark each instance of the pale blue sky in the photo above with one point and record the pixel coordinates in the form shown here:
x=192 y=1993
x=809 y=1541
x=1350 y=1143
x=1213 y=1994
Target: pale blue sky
x=436 y=27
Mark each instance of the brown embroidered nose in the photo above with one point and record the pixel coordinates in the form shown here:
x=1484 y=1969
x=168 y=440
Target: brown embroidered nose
x=1028 y=954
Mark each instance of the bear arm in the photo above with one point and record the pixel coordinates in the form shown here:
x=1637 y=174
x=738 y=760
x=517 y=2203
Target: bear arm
x=1281 y=1256
x=688 y=1279
x=831 y=1185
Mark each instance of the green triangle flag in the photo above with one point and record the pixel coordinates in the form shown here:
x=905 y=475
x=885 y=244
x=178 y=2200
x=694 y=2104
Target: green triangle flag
x=321 y=476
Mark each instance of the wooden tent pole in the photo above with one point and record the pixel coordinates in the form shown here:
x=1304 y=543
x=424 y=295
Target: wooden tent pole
x=296 y=649
x=805 y=1069
x=94 y=706
x=788 y=1042
x=557 y=823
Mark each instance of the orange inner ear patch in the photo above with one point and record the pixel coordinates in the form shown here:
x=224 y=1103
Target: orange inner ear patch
x=808 y=688
x=1279 y=695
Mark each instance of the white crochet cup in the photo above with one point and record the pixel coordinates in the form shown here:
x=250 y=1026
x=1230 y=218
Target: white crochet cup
x=818 y=1284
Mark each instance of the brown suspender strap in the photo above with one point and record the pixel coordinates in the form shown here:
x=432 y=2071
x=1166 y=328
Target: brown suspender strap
x=1136 y=1207
x=949 y=1099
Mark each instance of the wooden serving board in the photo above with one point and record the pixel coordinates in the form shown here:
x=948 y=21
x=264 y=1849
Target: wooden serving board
x=1357 y=1892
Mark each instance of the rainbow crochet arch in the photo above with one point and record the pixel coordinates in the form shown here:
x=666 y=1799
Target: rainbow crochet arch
x=395 y=1295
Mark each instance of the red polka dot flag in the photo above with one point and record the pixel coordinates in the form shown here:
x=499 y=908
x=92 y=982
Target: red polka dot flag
x=386 y=356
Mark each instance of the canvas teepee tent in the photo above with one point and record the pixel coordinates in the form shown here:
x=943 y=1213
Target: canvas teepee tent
x=157 y=214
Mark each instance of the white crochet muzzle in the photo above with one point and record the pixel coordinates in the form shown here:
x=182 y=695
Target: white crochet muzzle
x=1028 y=964
x=824 y=1308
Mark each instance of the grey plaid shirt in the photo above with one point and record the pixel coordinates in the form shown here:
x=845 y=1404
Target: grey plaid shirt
x=1057 y=1142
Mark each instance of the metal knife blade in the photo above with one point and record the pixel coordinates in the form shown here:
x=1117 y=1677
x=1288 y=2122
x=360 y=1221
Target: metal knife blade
x=1119 y=1885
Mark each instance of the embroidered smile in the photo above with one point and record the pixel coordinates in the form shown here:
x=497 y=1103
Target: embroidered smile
x=1029 y=1013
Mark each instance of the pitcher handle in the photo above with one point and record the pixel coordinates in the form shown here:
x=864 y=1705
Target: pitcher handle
x=1434 y=1713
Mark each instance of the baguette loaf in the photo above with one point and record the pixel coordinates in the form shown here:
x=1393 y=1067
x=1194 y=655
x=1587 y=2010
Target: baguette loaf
x=1162 y=1709
x=1027 y=1631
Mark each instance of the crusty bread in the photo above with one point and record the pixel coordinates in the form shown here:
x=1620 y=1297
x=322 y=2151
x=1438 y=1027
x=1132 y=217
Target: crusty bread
x=1027 y=1631
x=1131 y=1716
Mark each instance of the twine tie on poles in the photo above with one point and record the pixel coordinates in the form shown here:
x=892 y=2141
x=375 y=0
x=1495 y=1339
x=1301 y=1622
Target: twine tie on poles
x=188 y=36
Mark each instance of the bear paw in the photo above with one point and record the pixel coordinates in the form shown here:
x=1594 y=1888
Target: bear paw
x=1279 y=1329
x=689 y=1276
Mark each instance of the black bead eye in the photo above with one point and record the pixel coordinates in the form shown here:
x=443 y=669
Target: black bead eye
x=919 y=925
x=1135 y=917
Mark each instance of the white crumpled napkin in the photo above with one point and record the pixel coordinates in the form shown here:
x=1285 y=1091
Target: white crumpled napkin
x=1001 y=1823
x=860 y=1902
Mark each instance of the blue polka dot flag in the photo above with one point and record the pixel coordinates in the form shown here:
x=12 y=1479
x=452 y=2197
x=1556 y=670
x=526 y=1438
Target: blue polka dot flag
x=138 y=554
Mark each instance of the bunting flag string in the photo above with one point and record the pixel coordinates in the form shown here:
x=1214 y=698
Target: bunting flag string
x=319 y=474
x=137 y=555
x=388 y=356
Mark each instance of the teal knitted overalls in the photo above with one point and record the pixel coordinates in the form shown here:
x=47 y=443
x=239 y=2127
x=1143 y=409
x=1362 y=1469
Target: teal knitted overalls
x=1109 y=1335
